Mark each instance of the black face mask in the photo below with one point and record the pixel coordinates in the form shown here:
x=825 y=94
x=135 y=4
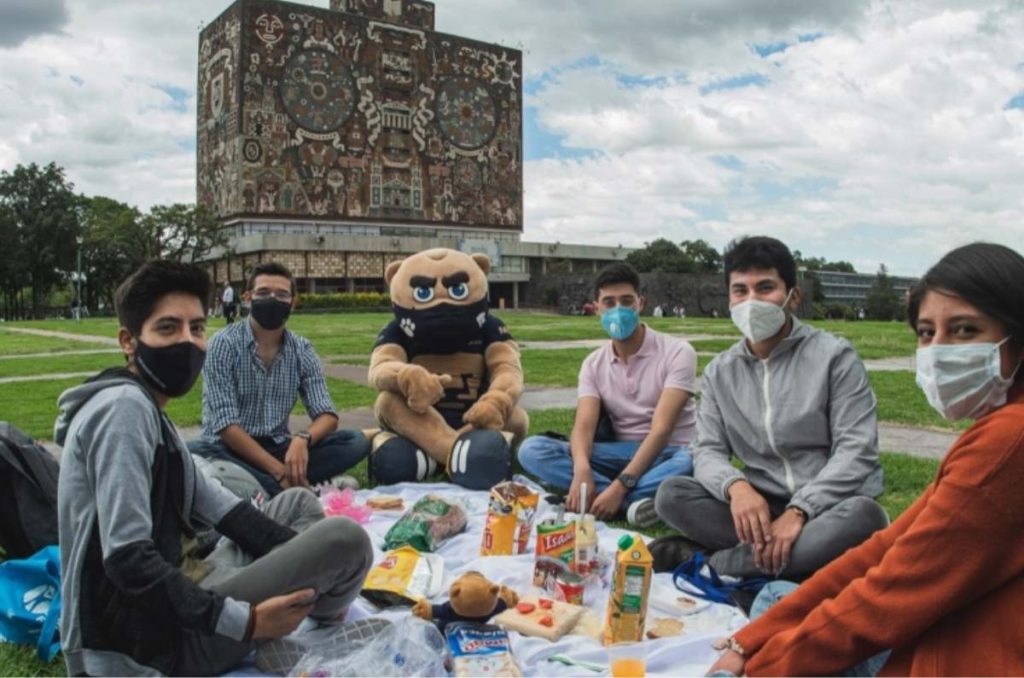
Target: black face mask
x=270 y=313
x=173 y=369
x=444 y=323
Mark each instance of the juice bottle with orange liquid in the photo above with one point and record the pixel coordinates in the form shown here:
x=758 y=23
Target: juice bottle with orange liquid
x=631 y=587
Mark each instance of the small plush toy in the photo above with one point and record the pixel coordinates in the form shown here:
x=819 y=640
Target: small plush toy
x=448 y=373
x=472 y=597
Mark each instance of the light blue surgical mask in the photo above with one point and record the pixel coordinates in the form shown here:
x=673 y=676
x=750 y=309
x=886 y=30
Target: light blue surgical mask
x=620 y=322
x=963 y=381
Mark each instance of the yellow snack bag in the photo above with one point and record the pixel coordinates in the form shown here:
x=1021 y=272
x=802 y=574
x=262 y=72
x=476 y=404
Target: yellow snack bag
x=404 y=576
x=510 y=515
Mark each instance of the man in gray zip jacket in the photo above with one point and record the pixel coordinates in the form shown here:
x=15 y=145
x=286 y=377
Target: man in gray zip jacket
x=794 y=405
x=137 y=598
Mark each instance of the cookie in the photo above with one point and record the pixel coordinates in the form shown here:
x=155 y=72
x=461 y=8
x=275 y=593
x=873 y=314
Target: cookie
x=664 y=627
x=385 y=503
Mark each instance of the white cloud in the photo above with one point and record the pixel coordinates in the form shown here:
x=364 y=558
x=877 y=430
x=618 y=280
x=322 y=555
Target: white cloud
x=886 y=139
x=889 y=143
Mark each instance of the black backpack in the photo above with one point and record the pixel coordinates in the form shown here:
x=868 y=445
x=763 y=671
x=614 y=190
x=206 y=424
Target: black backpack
x=28 y=494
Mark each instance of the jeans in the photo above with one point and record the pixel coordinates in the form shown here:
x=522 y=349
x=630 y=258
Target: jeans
x=777 y=590
x=332 y=456
x=549 y=460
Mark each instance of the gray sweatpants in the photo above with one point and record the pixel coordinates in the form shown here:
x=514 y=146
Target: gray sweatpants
x=329 y=555
x=683 y=503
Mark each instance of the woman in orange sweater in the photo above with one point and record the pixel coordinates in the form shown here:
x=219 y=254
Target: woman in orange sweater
x=941 y=590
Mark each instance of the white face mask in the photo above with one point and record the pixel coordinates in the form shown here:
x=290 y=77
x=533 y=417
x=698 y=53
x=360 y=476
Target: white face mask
x=963 y=381
x=759 y=320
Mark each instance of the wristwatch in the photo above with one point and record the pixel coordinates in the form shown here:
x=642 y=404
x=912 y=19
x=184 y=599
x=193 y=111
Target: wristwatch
x=628 y=480
x=305 y=435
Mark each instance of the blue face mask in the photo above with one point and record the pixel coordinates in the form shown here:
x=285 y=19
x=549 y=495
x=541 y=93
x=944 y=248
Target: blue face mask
x=620 y=322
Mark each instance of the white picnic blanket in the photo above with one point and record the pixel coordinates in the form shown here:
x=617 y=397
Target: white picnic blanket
x=689 y=654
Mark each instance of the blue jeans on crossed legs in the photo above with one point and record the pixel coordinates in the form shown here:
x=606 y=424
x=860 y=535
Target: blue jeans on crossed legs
x=332 y=456
x=548 y=460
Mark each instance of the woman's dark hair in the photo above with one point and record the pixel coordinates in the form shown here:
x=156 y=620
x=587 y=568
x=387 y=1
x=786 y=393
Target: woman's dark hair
x=269 y=268
x=987 y=276
x=136 y=297
x=760 y=252
x=613 y=274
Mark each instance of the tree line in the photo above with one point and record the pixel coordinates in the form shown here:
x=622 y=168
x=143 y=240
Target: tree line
x=698 y=256
x=46 y=229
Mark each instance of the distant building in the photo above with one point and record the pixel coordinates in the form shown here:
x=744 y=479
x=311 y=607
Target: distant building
x=338 y=140
x=852 y=288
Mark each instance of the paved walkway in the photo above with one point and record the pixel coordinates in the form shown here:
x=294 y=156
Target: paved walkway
x=47 y=377
x=53 y=334
x=51 y=354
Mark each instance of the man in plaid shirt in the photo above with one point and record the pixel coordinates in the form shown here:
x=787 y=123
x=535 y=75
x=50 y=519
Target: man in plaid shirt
x=253 y=372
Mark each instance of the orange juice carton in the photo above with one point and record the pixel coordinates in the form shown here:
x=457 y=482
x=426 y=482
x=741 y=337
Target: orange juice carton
x=509 y=519
x=631 y=587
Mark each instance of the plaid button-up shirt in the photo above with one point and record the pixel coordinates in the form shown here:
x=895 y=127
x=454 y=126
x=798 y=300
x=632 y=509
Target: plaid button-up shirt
x=239 y=389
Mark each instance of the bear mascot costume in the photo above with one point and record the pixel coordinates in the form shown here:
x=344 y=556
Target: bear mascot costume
x=448 y=373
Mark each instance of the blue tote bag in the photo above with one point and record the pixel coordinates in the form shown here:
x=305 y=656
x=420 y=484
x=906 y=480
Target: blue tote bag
x=30 y=602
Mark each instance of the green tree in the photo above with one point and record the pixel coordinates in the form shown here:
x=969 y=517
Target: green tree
x=822 y=264
x=661 y=256
x=181 y=232
x=882 y=302
x=43 y=213
x=13 y=266
x=706 y=257
x=114 y=246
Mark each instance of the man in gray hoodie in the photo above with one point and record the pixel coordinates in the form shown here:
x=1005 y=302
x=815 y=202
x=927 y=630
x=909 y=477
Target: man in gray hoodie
x=138 y=599
x=794 y=405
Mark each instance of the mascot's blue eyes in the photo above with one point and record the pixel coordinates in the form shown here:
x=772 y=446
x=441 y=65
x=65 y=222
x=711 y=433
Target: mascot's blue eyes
x=423 y=294
x=459 y=291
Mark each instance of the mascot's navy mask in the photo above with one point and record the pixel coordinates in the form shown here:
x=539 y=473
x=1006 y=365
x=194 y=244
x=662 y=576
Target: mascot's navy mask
x=443 y=324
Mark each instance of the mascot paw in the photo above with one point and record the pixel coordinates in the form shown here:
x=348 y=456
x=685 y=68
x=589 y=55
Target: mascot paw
x=485 y=415
x=395 y=459
x=480 y=460
x=510 y=597
x=423 y=610
x=421 y=388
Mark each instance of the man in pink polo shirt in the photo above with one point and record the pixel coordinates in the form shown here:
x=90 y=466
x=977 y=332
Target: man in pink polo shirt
x=644 y=382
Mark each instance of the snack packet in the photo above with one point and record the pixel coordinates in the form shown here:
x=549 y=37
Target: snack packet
x=480 y=650
x=426 y=525
x=404 y=576
x=509 y=519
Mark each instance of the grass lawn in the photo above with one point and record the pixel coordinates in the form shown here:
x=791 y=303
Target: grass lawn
x=900 y=400
x=33 y=405
x=22 y=661
x=57 y=363
x=19 y=343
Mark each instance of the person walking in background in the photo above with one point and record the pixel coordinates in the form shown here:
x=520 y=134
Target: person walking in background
x=227 y=300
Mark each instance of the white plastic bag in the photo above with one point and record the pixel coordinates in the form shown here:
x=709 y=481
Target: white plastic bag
x=407 y=647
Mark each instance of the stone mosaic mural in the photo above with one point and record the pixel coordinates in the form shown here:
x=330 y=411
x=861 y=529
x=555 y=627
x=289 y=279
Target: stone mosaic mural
x=359 y=112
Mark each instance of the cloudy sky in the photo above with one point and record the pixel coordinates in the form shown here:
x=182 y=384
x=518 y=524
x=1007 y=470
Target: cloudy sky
x=854 y=129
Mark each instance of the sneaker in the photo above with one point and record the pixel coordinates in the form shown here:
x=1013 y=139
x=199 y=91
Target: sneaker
x=641 y=513
x=670 y=552
x=345 y=481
